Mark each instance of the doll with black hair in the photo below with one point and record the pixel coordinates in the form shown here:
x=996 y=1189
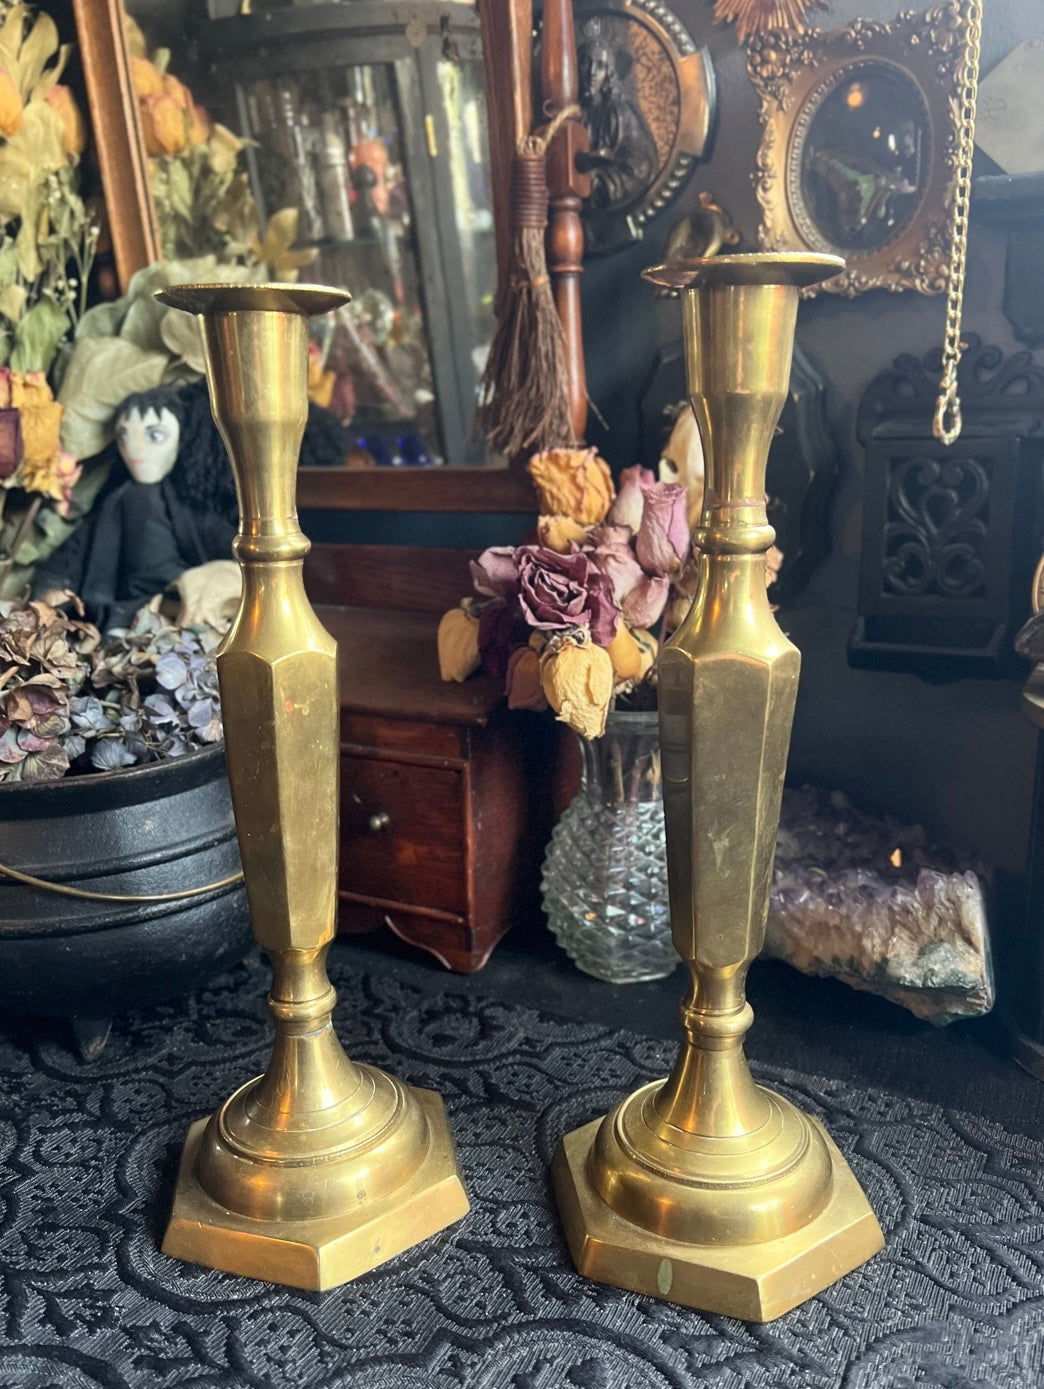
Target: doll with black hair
x=168 y=508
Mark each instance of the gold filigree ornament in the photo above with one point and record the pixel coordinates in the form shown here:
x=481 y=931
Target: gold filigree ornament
x=756 y=16
x=861 y=145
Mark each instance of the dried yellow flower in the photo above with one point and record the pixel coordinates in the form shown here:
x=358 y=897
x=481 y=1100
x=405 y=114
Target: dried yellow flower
x=558 y=532
x=10 y=105
x=28 y=388
x=458 y=645
x=41 y=427
x=177 y=91
x=163 y=125
x=632 y=652
x=199 y=125
x=574 y=483
x=55 y=477
x=74 y=132
x=145 y=79
x=577 y=679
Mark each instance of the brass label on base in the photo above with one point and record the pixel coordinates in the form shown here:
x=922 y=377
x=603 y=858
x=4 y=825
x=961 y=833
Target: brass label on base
x=753 y=1282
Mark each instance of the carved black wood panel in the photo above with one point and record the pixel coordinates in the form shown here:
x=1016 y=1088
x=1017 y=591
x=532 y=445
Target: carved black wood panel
x=950 y=535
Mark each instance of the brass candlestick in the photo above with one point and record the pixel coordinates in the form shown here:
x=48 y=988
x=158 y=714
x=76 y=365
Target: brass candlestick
x=705 y=1188
x=320 y=1169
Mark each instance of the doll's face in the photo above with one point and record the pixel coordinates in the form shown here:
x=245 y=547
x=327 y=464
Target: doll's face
x=148 y=443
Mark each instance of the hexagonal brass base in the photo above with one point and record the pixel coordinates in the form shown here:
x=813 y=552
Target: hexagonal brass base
x=754 y=1282
x=318 y=1254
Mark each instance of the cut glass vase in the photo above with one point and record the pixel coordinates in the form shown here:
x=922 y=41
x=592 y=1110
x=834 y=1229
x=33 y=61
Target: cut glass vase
x=604 y=881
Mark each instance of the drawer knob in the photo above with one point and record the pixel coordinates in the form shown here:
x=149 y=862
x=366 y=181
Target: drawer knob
x=379 y=821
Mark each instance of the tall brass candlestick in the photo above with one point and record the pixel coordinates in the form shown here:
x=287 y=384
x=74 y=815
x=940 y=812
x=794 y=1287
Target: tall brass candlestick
x=320 y=1169
x=705 y=1188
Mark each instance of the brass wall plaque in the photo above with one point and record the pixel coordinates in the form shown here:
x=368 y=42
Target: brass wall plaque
x=647 y=100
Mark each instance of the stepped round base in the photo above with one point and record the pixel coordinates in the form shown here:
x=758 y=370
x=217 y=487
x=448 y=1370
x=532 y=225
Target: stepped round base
x=705 y=1190
x=817 y=1223
x=397 y=1191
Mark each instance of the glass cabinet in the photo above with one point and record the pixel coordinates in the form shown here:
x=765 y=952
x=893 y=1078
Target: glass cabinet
x=374 y=128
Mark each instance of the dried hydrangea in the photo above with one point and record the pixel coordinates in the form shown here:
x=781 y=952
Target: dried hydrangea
x=69 y=703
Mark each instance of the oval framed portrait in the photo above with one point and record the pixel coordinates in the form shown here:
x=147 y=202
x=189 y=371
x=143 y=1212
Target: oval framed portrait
x=859 y=145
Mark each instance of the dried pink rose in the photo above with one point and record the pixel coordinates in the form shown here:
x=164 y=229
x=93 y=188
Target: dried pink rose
x=560 y=591
x=495 y=572
x=630 y=498
x=12 y=450
x=663 y=537
x=522 y=682
x=644 y=605
x=614 y=556
x=500 y=630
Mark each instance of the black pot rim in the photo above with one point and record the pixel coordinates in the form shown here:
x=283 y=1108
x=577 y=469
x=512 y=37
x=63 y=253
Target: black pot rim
x=126 y=786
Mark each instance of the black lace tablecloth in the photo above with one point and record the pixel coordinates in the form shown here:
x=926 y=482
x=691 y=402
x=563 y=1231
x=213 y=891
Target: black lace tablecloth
x=87 y=1162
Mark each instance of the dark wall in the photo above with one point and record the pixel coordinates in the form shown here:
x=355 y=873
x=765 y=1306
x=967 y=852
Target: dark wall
x=957 y=757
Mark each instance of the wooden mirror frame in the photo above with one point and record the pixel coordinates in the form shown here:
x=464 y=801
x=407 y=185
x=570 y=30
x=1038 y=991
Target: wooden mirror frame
x=506 y=27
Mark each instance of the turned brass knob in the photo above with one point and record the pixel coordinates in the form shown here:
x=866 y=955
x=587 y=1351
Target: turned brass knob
x=379 y=821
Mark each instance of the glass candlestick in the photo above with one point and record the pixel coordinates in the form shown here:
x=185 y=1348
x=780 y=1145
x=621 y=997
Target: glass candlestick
x=705 y=1188
x=321 y=1168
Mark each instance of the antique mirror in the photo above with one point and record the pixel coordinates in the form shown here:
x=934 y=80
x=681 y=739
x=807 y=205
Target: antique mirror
x=365 y=154
x=859 y=145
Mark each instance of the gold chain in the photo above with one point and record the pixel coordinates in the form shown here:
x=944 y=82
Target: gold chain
x=946 y=425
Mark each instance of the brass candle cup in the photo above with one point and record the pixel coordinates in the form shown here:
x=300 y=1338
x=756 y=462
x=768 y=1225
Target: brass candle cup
x=320 y=1169
x=704 y=1188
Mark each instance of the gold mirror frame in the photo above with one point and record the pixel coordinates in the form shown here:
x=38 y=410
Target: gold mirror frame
x=123 y=164
x=794 y=73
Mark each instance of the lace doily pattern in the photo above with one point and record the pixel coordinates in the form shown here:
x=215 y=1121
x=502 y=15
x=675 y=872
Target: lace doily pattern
x=88 y=1156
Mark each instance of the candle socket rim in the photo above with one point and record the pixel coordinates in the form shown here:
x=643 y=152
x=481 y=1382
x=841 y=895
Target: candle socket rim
x=201 y=298
x=798 y=269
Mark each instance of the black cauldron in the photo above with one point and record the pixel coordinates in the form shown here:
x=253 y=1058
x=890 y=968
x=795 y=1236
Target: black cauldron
x=162 y=827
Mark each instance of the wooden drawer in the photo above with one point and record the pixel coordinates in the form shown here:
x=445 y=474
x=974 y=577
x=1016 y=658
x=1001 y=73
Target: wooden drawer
x=419 y=856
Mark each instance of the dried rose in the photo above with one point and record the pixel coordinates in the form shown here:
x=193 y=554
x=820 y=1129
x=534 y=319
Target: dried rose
x=10 y=105
x=682 y=461
x=54 y=477
x=163 y=125
x=41 y=431
x=560 y=533
x=610 y=549
x=501 y=629
x=577 y=679
x=74 y=132
x=572 y=482
x=145 y=78
x=645 y=603
x=458 y=645
x=558 y=591
x=630 y=500
x=177 y=91
x=29 y=388
x=522 y=682
x=495 y=572
x=632 y=653
x=200 y=125
x=12 y=450
x=663 y=538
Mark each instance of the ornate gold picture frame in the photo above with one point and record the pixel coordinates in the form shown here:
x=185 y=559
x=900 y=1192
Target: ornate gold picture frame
x=859 y=145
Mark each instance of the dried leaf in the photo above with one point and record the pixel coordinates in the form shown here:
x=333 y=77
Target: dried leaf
x=38 y=335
